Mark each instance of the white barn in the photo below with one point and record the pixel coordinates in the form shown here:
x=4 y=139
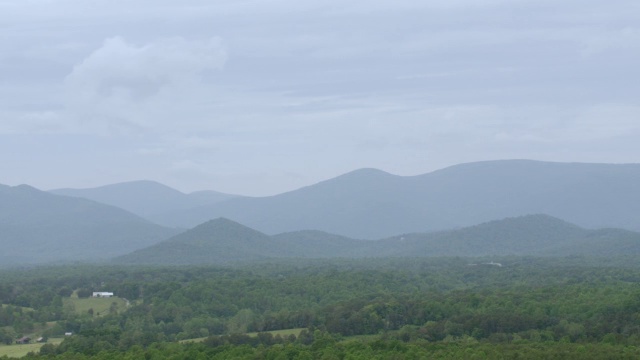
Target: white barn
x=102 y=294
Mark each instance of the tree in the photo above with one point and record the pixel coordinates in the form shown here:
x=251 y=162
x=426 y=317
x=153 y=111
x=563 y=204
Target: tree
x=7 y=336
x=84 y=292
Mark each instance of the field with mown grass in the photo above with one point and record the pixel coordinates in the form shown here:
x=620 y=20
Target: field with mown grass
x=24 y=308
x=283 y=333
x=16 y=351
x=100 y=306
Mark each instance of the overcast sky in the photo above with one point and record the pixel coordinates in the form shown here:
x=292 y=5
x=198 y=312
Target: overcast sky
x=261 y=97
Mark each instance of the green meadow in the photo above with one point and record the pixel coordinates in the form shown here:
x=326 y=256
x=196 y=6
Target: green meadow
x=100 y=306
x=283 y=333
x=16 y=351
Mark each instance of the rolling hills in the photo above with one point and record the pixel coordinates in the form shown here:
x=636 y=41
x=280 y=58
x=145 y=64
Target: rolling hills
x=531 y=235
x=372 y=204
x=36 y=227
x=223 y=241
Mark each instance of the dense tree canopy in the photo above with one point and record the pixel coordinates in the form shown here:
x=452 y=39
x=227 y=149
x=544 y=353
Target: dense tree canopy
x=408 y=307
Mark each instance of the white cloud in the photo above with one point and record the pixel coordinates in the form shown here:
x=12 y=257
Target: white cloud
x=125 y=88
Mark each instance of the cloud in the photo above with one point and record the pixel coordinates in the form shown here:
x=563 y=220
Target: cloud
x=122 y=87
x=314 y=87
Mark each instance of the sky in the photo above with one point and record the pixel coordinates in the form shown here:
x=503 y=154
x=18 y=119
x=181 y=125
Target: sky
x=258 y=97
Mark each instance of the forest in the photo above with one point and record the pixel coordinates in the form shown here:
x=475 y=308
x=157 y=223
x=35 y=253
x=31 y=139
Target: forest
x=391 y=308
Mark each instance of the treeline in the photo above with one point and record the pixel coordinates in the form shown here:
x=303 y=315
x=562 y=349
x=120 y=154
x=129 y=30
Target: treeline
x=410 y=304
x=326 y=346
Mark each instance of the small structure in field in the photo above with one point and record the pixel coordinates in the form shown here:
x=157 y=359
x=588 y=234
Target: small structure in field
x=23 y=340
x=102 y=294
x=41 y=339
x=68 y=334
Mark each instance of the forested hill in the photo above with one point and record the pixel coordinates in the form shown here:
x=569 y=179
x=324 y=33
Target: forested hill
x=223 y=241
x=539 y=235
x=36 y=227
x=217 y=241
x=373 y=204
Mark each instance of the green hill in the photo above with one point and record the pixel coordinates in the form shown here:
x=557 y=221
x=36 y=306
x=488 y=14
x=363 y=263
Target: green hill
x=223 y=241
x=217 y=241
x=525 y=235
x=101 y=306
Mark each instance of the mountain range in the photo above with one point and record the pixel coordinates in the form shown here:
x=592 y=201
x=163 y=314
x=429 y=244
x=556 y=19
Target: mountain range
x=113 y=220
x=149 y=199
x=223 y=241
x=37 y=227
x=372 y=204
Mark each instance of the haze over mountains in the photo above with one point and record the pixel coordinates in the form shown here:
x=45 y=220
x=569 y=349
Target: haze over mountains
x=148 y=199
x=223 y=241
x=372 y=204
x=36 y=226
x=328 y=218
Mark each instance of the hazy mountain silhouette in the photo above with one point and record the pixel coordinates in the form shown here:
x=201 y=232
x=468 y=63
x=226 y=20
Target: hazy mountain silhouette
x=223 y=241
x=36 y=226
x=371 y=204
x=148 y=199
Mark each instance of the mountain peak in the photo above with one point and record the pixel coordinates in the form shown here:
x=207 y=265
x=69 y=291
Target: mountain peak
x=25 y=188
x=367 y=172
x=359 y=177
x=146 y=198
x=135 y=185
x=222 y=222
x=537 y=219
x=220 y=229
x=216 y=241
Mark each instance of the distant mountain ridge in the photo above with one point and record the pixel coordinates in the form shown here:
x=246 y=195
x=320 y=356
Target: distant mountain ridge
x=36 y=227
x=372 y=204
x=145 y=198
x=223 y=241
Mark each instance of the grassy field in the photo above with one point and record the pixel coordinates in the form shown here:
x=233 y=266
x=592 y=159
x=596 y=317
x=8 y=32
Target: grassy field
x=360 y=338
x=282 y=333
x=15 y=306
x=16 y=351
x=100 y=306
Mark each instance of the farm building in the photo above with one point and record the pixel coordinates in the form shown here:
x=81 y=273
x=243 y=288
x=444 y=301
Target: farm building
x=102 y=294
x=23 y=340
